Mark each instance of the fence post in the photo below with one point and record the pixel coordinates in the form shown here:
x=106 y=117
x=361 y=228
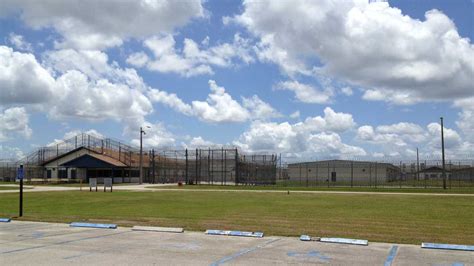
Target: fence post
x=153 y=164
x=299 y=165
x=225 y=168
x=352 y=174
x=376 y=174
x=236 y=166
x=307 y=170
x=328 y=175
x=209 y=176
x=186 y=165
x=400 y=179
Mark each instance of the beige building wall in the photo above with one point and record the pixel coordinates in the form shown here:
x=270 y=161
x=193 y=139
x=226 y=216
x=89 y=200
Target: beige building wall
x=342 y=171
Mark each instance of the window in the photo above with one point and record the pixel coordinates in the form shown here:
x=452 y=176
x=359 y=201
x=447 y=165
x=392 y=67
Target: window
x=333 y=176
x=62 y=173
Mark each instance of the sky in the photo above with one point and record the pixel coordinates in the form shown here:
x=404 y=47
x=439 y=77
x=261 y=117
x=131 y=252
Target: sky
x=307 y=79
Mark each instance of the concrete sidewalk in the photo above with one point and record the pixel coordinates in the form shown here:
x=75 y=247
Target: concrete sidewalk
x=26 y=243
x=148 y=188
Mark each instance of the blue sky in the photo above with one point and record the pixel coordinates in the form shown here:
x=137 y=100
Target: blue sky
x=309 y=79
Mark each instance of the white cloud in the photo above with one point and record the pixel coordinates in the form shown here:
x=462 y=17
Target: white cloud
x=19 y=42
x=138 y=59
x=295 y=115
x=86 y=86
x=191 y=60
x=14 y=121
x=71 y=134
x=466 y=117
x=219 y=107
x=315 y=136
x=94 y=24
x=23 y=79
x=8 y=153
x=373 y=45
x=156 y=135
x=347 y=91
x=77 y=96
x=403 y=138
x=198 y=142
x=294 y=140
x=331 y=122
x=306 y=93
x=451 y=137
x=259 y=109
x=171 y=100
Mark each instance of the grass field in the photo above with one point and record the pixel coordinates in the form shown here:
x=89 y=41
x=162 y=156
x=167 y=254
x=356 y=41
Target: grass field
x=456 y=190
x=385 y=218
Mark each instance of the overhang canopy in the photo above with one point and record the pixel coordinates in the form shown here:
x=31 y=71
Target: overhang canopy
x=94 y=161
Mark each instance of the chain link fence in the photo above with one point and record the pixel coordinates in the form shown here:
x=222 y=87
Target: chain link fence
x=402 y=174
x=215 y=166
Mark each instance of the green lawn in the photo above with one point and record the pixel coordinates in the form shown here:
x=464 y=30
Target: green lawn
x=386 y=218
x=456 y=190
x=7 y=188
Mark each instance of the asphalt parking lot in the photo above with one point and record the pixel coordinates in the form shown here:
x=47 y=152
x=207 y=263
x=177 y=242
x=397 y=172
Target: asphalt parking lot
x=26 y=243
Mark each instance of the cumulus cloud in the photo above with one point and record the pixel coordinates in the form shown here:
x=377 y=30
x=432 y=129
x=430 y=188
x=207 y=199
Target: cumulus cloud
x=295 y=114
x=85 y=86
x=198 y=142
x=8 y=153
x=315 y=136
x=306 y=93
x=192 y=60
x=347 y=91
x=403 y=138
x=331 y=122
x=19 y=42
x=71 y=134
x=156 y=134
x=23 y=79
x=77 y=96
x=466 y=117
x=219 y=107
x=398 y=58
x=94 y=24
x=14 y=121
x=259 y=109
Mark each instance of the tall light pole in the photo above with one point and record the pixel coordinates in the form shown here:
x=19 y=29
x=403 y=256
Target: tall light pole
x=442 y=153
x=417 y=166
x=142 y=132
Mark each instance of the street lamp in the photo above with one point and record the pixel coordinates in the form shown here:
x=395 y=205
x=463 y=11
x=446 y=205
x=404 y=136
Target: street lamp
x=442 y=153
x=142 y=132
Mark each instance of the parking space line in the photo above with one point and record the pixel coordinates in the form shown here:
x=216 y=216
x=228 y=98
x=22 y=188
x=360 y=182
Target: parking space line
x=11 y=226
x=242 y=252
x=391 y=256
x=46 y=236
x=63 y=242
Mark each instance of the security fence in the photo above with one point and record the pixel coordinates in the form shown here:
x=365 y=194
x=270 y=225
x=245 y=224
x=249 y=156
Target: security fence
x=347 y=173
x=222 y=166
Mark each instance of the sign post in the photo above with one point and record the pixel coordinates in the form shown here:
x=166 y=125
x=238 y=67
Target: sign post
x=20 y=175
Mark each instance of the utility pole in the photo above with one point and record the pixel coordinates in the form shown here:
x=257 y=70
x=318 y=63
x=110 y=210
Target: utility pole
x=417 y=166
x=142 y=132
x=442 y=153
x=20 y=175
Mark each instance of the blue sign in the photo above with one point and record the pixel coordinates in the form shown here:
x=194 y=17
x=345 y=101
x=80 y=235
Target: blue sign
x=20 y=174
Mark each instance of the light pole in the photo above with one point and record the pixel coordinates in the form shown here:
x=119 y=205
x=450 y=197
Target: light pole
x=442 y=153
x=142 y=132
x=417 y=166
